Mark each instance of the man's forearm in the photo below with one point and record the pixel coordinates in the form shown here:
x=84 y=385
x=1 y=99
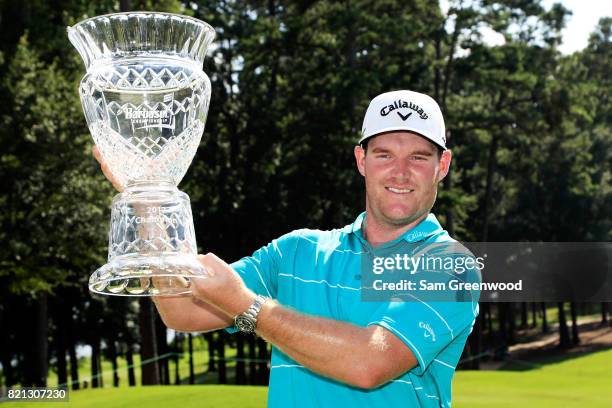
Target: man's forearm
x=187 y=314
x=359 y=356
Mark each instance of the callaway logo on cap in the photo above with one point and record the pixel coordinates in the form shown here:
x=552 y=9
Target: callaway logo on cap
x=404 y=110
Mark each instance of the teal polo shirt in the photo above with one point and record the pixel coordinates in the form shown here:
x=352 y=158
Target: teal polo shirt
x=318 y=273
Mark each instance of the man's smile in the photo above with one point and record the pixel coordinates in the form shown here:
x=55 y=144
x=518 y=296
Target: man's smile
x=399 y=190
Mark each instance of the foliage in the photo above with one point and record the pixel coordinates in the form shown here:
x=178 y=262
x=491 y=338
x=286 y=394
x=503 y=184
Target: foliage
x=530 y=131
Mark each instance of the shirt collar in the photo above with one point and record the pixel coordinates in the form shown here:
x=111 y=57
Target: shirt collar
x=426 y=228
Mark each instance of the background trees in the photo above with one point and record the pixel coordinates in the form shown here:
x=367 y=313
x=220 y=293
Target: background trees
x=530 y=130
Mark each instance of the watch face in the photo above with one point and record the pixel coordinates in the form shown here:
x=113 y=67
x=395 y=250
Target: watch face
x=244 y=324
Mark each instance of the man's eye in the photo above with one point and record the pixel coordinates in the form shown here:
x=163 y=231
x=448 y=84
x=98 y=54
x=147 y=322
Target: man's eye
x=419 y=158
x=383 y=156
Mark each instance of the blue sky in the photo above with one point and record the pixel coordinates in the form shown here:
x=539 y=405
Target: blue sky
x=584 y=18
x=586 y=14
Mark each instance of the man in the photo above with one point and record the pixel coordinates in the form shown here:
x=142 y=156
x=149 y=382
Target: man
x=302 y=292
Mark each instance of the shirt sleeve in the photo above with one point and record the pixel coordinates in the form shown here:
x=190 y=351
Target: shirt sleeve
x=425 y=327
x=259 y=271
x=427 y=322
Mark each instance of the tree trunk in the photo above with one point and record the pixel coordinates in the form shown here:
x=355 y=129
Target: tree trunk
x=95 y=360
x=62 y=320
x=210 y=341
x=448 y=182
x=575 y=335
x=252 y=363
x=491 y=168
x=263 y=372
x=524 y=317
x=112 y=348
x=604 y=313
x=489 y=310
x=148 y=343
x=7 y=369
x=221 y=353
x=564 y=339
x=161 y=334
x=36 y=361
x=440 y=33
x=502 y=319
x=62 y=371
x=442 y=93
x=69 y=336
x=177 y=376
x=129 y=359
x=74 y=364
x=191 y=370
x=6 y=353
x=100 y=376
x=491 y=164
x=534 y=315
x=512 y=323
x=544 y=319
x=240 y=365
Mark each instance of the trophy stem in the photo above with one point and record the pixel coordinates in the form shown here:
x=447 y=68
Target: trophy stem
x=162 y=185
x=152 y=246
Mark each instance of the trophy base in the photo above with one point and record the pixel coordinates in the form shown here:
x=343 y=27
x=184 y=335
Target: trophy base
x=141 y=275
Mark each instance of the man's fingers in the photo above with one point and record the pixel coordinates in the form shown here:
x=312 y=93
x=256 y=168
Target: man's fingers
x=169 y=282
x=208 y=265
x=96 y=153
x=111 y=178
x=213 y=259
x=106 y=170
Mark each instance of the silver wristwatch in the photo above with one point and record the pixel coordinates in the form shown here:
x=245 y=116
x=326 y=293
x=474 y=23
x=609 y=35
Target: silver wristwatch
x=246 y=322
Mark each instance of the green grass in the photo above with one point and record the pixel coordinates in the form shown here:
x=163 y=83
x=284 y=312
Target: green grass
x=580 y=382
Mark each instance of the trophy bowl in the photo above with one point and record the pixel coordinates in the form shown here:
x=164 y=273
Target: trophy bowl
x=145 y=99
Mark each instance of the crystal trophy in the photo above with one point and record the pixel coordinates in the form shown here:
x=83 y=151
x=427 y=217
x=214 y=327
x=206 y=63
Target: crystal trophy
x=145 y=98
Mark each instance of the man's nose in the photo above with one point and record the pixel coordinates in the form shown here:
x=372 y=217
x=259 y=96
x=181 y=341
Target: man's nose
x=402 y=168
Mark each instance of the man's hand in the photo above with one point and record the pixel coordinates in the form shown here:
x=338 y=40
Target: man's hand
x=223 y=288
x=105 y=169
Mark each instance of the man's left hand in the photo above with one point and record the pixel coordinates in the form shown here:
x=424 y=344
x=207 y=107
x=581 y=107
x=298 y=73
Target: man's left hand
x=222 y=288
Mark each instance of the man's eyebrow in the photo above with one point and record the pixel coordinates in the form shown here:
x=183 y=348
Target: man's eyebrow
x=380 y=150
x=423 y=153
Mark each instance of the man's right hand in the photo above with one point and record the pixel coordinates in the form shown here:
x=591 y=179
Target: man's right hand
x=105 y=169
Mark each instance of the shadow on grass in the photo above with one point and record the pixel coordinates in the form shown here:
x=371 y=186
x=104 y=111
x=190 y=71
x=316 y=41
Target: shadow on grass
x=548 y=357
x=594 y=338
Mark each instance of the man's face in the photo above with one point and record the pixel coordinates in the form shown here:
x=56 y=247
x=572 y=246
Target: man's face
x=402 y=171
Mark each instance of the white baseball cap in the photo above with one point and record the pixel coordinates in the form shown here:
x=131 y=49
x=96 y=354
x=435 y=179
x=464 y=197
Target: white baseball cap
x=404 y=110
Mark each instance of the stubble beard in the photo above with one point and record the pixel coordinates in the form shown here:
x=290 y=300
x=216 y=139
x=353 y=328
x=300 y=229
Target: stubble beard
x=383 y=218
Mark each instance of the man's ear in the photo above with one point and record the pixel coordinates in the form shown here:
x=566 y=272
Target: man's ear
x=360 y=159
x=445 y=162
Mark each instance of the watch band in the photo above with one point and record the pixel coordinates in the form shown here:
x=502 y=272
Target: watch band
x=247 y=321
